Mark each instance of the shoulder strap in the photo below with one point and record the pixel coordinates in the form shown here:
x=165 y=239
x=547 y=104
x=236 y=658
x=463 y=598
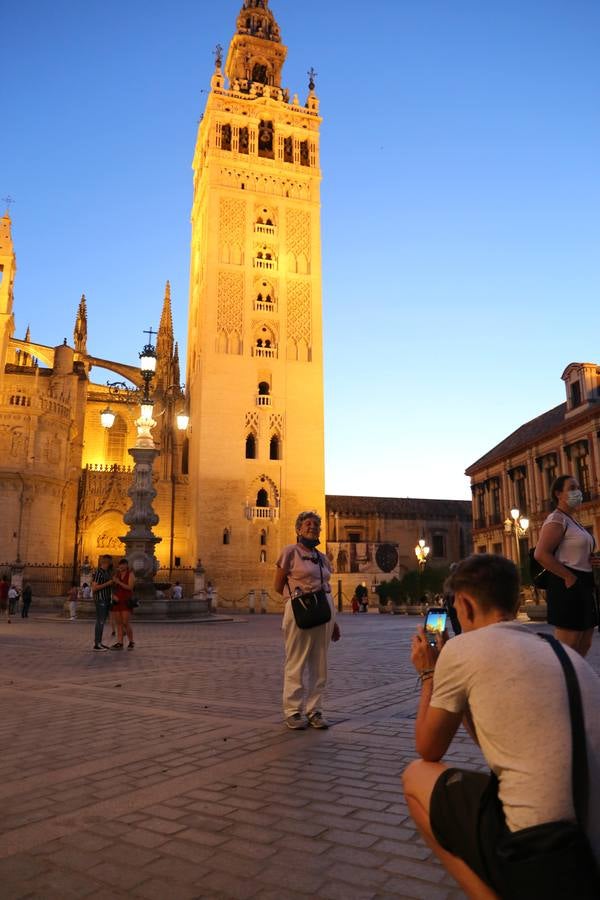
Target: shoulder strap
x=579 y=762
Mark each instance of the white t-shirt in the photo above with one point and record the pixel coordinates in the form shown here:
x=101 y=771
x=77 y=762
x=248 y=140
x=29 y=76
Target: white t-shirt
x=303 y=571
x=515 y=688
x=576 y=543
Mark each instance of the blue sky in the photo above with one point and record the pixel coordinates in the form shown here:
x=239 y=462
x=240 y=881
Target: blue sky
x=461 y=232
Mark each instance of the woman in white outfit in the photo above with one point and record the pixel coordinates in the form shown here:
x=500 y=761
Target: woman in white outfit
x=301 y=569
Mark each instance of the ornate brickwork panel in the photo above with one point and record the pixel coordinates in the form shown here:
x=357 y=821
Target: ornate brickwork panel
x=297 y=227
x=232 y=221
x=230 y=303
x=299 y=312
x=252 y=421
x=276 y=423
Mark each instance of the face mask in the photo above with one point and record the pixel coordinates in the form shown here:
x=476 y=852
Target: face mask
x=310 y=543
x=574 y=498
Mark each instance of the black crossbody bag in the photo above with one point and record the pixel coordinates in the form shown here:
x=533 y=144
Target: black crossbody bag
x=554 y=861
x=311 y=609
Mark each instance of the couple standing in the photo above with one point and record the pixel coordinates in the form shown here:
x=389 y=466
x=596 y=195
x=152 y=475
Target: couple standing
x=113 y=593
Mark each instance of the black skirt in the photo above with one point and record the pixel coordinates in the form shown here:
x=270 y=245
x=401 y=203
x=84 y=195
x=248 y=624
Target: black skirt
x=573 y=608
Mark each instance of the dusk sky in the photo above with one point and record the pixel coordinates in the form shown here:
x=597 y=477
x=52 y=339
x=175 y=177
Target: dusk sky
x=460 y=199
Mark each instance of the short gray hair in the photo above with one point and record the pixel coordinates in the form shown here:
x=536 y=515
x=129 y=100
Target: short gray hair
x=307 y=514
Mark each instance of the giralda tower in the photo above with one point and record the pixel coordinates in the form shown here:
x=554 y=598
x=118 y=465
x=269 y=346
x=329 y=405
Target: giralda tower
x=255 y=368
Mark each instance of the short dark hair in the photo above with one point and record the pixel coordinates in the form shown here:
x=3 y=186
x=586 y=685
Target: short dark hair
x=491 y=579
x=557 y=487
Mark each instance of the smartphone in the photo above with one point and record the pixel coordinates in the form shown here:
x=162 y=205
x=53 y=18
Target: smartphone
x=435 y=623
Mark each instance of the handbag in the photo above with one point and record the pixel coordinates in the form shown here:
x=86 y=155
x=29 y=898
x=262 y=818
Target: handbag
x=554 y=861
x=311 y=609
x=133 y=603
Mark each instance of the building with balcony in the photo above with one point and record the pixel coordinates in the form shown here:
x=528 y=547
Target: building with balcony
x=519 y=471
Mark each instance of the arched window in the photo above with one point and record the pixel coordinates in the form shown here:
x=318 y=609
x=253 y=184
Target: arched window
x=259 y=73
x=116 y=438
x=264 y=388
x=251 y=446
x=262 y=498
x=226 y=536
x=226 y=137
x=275 y=447
x=263 y=538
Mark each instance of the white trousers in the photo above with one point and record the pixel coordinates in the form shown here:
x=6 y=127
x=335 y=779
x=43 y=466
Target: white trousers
x=305 y=658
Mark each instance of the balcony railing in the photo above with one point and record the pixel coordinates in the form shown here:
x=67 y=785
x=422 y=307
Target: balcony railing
x=264 y=229
x=268 y=352
x=263 y=400
x=262 y=512
x=264 y=263
x=263 y=306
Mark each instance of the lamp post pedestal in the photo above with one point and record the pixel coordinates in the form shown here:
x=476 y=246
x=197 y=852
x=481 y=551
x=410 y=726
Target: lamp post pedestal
x=141 y=518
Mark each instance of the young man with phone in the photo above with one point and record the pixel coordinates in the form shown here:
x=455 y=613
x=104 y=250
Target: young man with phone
x=506 y=685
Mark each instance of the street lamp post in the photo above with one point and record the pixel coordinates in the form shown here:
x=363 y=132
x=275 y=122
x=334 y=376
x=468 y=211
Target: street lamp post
x=140 y=541
x=516 y=525
x=421 y=552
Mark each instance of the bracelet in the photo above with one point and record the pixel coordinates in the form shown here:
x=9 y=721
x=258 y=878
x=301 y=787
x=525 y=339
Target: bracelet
x=425 y=676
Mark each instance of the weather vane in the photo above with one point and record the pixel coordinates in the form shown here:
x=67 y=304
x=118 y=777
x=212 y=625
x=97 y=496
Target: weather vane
x=311 y=78
x=218 y=55
x=9 y=202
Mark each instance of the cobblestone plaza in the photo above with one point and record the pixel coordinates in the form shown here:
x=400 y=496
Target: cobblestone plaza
x=167 y=772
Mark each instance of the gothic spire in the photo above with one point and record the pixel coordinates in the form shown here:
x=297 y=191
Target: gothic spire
x=175 y=365
x=164 y=343
x=28 y=334
x=80 y=330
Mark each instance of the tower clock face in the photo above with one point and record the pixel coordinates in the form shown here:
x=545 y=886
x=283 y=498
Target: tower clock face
x=386 y=557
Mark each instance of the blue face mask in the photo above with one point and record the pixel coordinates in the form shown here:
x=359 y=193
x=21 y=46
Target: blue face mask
x=309 y=543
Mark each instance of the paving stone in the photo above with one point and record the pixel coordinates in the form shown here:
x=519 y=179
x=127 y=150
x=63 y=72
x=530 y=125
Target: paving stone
x=157 y=889
x=142 y=838
x=121 y=877
x=221 y=883
x=350 y=838
x=298 y=880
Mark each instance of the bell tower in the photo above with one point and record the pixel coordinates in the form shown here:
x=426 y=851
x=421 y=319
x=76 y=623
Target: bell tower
x=255 y=370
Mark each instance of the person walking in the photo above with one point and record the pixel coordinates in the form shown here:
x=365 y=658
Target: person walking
x=13 y=600
x=302 y=569
x=73 y=597
x=27 y=596
x=102 y=593
x=123 y=604
x=565 y=549
x=4 y=588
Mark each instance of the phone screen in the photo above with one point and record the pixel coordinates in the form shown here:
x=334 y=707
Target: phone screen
x=435 y=623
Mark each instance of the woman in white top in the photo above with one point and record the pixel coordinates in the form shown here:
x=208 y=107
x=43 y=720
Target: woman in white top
x=565 y=550
x=302 y=569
